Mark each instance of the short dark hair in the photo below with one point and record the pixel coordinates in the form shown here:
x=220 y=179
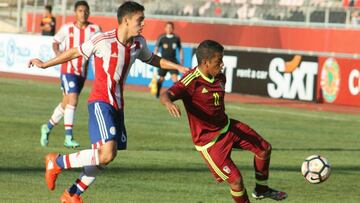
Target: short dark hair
x=48 y=7
x=81 y=3
x=170 y=23
x=207 y=49
x=129 y=7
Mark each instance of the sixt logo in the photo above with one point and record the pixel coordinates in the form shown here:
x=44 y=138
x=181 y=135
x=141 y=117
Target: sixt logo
x=293 y=79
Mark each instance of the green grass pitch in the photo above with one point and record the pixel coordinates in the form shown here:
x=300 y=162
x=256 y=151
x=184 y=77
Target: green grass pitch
x=161 y=164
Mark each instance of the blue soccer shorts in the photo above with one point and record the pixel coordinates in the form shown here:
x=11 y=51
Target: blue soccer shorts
x=72 y=83
x=106 y=123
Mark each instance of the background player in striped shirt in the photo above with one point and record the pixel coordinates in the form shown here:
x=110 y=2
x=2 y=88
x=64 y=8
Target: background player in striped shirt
x=202 y=91
x=114 y=53
x=73 y=73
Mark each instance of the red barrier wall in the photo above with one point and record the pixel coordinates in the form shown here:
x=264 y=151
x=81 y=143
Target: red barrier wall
x=339 y=81
x=308 y=39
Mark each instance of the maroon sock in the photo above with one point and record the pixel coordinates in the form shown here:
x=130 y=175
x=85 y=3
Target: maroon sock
x=240 y=197
x=261 y=173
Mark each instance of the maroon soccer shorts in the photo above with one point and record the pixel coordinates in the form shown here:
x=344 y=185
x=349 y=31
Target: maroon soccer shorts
x=217 y=156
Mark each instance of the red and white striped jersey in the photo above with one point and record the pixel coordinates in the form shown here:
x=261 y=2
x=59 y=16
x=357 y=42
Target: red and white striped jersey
x=72 y=36
x=113 y=61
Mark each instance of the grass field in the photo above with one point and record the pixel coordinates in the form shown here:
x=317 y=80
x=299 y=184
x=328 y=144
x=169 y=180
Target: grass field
x=161 y=164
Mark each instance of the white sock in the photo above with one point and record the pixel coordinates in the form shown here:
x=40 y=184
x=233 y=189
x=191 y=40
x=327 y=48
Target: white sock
x=57 y=115
x=69 y=115
x=86 y=178
x=88 y=157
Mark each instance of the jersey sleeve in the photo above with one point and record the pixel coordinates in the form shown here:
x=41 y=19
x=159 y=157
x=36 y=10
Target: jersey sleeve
x=178 y=42
x=178 y=90
x=88 y=47
x=61 y=35
x=98 y=29
x=159 y=42
x=145 y=53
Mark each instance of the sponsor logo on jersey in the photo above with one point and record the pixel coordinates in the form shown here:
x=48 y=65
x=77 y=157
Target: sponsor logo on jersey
x=292 y=79
x=330 y=80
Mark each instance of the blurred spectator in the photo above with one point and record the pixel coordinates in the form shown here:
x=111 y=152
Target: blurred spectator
x=240 y=1
x=204 y=8
x=355 y=18
x=48 y=22
x=188 y=10
x=242 y=12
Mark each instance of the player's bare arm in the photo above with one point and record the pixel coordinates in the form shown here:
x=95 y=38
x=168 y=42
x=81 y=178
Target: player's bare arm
x=181 y=53
x=62 y=58
x=156 y=50
x=167 y=99
x=56 y=48
x=166 y=64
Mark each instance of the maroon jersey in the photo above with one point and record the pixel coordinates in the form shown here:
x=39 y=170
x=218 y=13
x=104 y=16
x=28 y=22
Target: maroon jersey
x=204 y=103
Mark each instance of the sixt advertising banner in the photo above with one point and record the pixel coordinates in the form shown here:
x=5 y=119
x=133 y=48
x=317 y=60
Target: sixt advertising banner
x=273 y=75
x=16 y=50
x=339 y=81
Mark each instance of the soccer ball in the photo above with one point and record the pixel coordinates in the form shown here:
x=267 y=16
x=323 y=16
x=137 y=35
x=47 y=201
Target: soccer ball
x=315 y=169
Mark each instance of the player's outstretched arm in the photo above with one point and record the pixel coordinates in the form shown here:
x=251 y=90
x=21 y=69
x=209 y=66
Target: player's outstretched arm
x=62 y=58
x=167 y=100
x=166 y=64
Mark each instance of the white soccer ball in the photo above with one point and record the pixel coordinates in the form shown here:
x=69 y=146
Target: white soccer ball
x=316 y=169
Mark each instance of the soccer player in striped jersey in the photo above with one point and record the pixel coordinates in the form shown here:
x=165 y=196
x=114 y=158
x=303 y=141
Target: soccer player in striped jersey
x=114 y=53
x=73 y=73
x=213 y=133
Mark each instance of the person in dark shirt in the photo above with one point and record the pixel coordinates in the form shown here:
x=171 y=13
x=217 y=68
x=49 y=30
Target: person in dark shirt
x=168 y=43
x=48 y=22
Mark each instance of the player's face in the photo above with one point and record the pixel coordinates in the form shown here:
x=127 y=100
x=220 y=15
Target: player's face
x=169 y=29
x=82 y=14
x=215 y=64
x=136 y=23
x=47 y=12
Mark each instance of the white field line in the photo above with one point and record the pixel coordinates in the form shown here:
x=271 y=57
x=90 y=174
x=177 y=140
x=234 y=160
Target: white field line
x=292 y=113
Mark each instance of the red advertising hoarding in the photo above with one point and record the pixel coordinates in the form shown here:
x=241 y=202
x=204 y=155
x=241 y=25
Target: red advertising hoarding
x=337 y=40
x=339 y=81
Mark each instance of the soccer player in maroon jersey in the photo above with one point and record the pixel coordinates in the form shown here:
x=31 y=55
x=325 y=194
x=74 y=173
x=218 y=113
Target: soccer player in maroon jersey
x=73 y=73
x=213 y=132
x=114 y=53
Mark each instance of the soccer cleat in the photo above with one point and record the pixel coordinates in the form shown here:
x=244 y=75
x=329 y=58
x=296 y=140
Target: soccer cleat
x=270 y=193
x=70 y=142
x=66 y=197
x=45 y=131
x=52 y=170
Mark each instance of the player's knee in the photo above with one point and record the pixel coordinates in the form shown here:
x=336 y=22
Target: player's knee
x=266 y=152
x=107 y=156
x=237 y=185
x=174 y=78
x=73 y=102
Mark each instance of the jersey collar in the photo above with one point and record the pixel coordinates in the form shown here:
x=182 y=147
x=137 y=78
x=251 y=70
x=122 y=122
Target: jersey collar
x=210 y=80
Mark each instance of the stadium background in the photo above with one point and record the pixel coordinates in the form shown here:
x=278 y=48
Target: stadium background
x=279 y=53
